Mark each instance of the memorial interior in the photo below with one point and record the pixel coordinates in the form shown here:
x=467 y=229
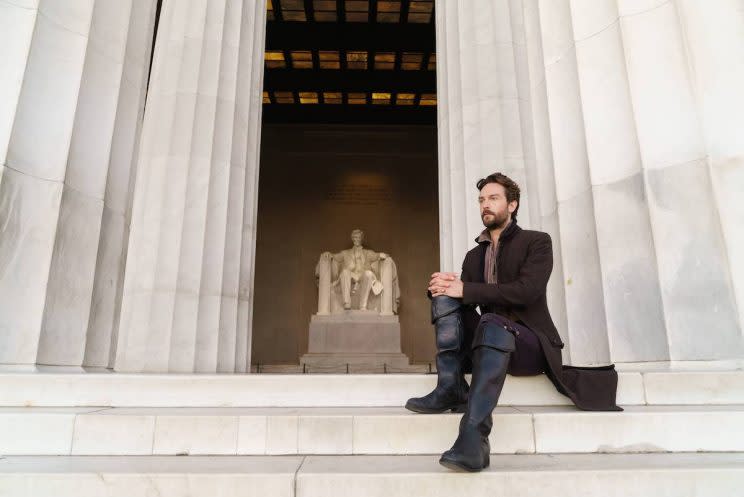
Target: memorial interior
x=348 y=141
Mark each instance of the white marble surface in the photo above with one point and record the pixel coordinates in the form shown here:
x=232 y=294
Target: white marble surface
x=38 y=431
x=40 y=140
x=37 y=153
x=29 y=207
x=700 y=387
x=70 y=280
x=145 y=476
x=263 y=390
x=282 y=434
x=107 y=286
x=641 y=429
x=195 y=434
x=395 y=431
x=363 y=430
x=713 y=38
x=327 y=434
x=17 y=26
x=703 y=475
x=101 y=433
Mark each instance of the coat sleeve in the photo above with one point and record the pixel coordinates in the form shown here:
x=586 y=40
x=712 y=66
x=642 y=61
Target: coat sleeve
x=526 y=289
x=465 y=275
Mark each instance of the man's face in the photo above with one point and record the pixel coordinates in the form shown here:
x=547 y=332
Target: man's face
x=495 y=211
x=356 y=239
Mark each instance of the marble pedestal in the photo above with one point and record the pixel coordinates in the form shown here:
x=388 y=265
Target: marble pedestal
x=355 y=338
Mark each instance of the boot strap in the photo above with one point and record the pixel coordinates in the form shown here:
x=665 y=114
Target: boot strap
x=494 y=336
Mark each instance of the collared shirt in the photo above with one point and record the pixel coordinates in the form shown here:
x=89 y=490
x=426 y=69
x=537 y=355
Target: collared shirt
x=489 y=267
x=490 y=272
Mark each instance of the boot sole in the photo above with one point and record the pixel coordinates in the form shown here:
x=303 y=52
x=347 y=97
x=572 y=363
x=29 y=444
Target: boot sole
x=460 y=468
x=458 y=409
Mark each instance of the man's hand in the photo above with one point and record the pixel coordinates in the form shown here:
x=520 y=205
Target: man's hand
x=445 y=284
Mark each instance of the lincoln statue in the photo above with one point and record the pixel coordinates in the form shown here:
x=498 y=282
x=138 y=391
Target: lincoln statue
x=356 y=269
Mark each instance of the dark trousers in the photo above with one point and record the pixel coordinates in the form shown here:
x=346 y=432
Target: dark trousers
x=527 y=359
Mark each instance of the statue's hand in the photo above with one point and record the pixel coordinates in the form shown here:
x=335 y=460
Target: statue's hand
x=383 y=255
x=326 y=255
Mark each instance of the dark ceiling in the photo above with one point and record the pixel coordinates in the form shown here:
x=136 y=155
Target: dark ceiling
x=350 y=61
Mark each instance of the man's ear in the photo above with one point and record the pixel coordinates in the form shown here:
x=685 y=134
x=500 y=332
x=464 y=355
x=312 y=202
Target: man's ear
x=512 y=206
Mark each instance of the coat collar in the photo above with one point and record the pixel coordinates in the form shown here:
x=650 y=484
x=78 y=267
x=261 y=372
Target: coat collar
x=507 y=234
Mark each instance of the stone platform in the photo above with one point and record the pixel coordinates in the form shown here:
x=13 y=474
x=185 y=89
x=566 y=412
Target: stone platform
x=359 y=338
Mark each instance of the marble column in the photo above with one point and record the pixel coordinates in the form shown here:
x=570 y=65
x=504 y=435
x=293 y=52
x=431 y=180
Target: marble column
x=105 y=109
x=188 y=282
x=627 y=135
x=633 y=305
x=540 y=162
x=478 y=116
x=714 y=37
x=61 y=95
x=585 y=306
x=117 y=204
x=33 y=177
x=694 y=273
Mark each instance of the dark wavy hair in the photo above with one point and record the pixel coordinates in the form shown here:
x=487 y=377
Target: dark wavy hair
x=511 y=187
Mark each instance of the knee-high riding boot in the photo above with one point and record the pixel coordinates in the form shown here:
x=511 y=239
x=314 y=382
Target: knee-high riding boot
x=493 y=347
x=451 y=391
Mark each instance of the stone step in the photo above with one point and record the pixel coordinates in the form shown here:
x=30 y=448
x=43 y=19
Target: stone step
x=577 y=475
x=383 y=430
x=50 y=387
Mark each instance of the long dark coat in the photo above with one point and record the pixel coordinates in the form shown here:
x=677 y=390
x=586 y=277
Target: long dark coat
x=524 y=263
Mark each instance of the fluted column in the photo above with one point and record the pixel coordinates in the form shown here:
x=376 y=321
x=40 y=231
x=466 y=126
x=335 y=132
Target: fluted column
x=17 y=21
x=535 y=115
x=478 y=116
x=117 y=205
x=714 y=37
x=241 y=254
x=71 y=106
x=694 y=273
x=32 y=180
x=102 y=112
x=195 y=188
x=585 y=306
x=633 y=305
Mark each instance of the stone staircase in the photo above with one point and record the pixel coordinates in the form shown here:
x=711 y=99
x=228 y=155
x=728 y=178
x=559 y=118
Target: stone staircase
x=70 y=433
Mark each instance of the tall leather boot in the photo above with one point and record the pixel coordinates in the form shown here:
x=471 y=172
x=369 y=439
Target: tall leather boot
x=451 y=392
x=471 y=451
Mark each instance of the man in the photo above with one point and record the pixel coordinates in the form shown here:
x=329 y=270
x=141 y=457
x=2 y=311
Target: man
x=356 y=269
x=506 y=276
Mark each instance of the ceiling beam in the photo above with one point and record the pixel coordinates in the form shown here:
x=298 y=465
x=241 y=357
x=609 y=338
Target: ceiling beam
x=352 y=36
x=351 y=114
x=350 y=80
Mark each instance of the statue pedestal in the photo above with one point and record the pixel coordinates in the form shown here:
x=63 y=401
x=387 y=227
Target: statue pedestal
x=355 y=337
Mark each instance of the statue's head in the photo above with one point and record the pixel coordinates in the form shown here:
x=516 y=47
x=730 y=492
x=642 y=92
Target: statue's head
x=357 y=237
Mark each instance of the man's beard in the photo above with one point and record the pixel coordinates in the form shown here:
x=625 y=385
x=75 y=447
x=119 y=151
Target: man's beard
x=497 y=220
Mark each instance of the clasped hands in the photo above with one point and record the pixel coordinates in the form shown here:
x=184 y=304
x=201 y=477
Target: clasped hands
x=446 y=284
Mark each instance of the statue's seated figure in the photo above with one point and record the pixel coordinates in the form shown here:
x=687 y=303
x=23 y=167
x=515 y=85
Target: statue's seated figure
x=357 y=278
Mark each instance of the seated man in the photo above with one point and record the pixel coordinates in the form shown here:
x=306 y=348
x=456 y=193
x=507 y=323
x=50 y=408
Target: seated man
x=506 y=276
